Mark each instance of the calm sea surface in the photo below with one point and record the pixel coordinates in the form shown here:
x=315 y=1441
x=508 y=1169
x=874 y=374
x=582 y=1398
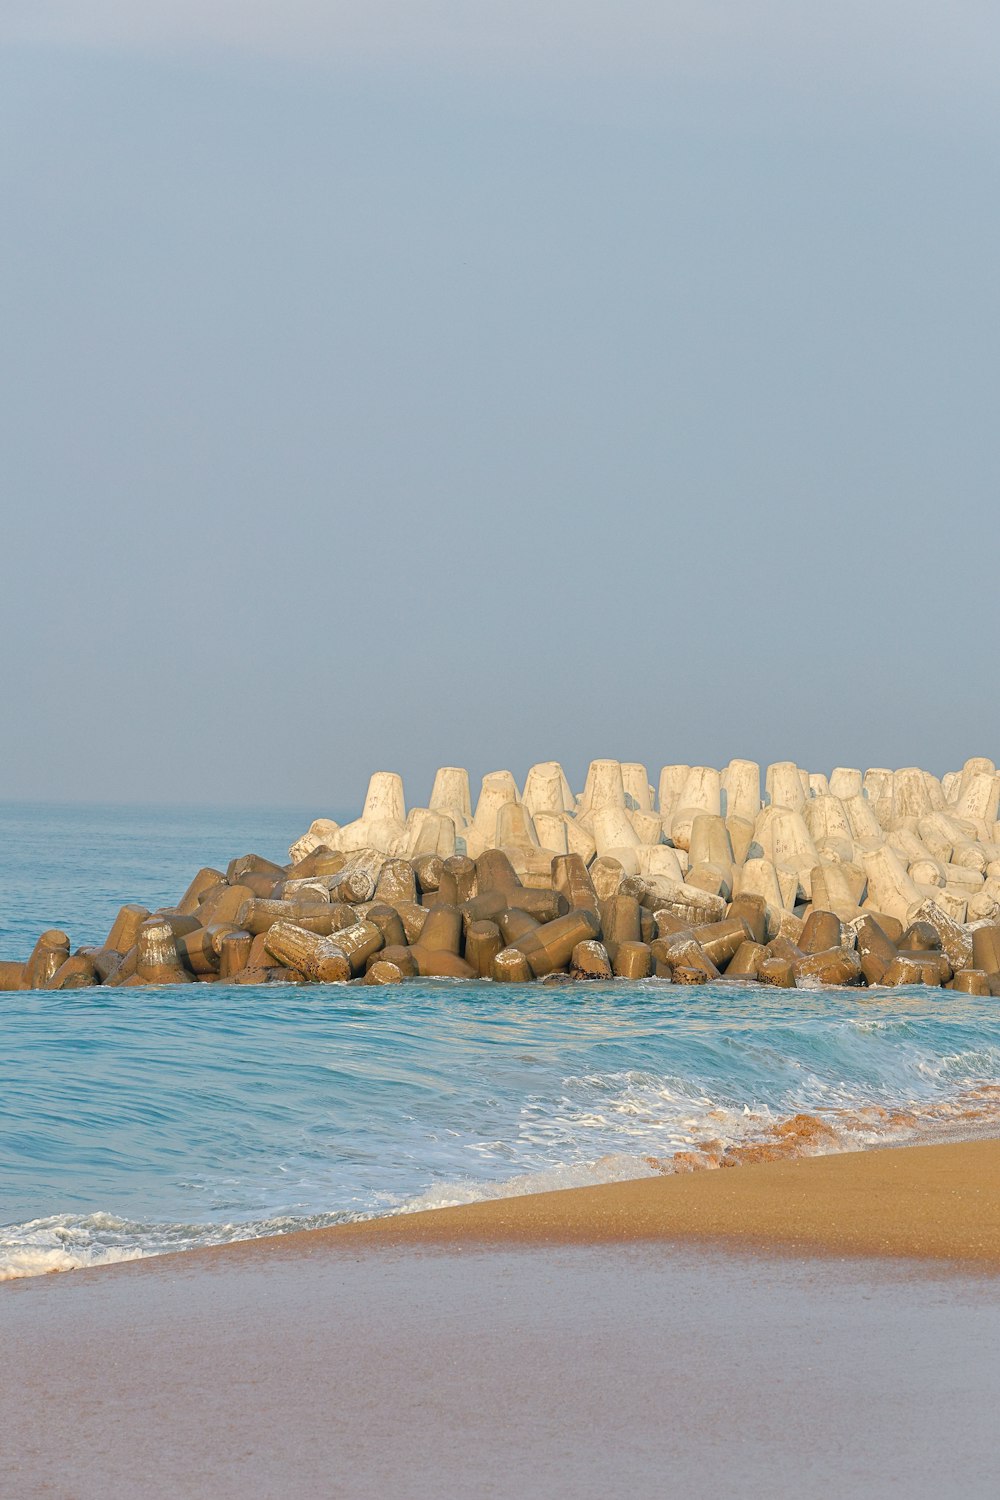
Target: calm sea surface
x=134 y=1121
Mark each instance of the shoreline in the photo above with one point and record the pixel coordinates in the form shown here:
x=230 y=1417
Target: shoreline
x=937 y=1203
x=813 y=1326
x=572 y=1115
x=818 y=1326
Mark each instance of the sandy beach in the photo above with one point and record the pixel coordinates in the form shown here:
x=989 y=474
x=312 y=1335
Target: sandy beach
x=939 y=1202
x=803 y=1328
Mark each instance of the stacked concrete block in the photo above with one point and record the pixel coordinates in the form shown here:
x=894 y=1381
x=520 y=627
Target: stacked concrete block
x=898 y=869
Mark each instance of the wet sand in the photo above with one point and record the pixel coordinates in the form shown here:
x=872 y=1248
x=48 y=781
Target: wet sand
x=585 y=1343
x=574 y=1371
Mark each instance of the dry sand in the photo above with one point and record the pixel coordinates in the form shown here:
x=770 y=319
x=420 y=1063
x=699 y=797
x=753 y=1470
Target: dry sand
x=582 y=1344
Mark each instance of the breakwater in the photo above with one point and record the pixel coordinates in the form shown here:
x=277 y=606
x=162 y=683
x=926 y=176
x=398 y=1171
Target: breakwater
x=794 y=879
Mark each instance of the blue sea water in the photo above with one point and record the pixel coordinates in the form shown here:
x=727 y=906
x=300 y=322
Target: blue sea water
x=136 y=1121
x=73 y=866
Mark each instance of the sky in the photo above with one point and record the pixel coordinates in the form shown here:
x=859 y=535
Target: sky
x=390 y=385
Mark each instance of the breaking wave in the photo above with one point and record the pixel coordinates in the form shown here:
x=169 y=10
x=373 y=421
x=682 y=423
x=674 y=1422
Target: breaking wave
x=147 y=1124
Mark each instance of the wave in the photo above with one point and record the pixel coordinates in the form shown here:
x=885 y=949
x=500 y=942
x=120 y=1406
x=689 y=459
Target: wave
x=217 y=1117
x=716 y=1137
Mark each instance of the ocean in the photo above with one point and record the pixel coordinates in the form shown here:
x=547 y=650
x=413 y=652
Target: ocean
x=138 y=1121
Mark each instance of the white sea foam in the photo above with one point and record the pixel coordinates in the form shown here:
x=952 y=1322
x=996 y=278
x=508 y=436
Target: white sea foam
x=40 y=1262
x=611 y=1168
x=68 y=1242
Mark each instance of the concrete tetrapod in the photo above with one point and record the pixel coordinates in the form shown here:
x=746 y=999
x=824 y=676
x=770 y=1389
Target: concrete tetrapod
x=571 y=878
x=890 y=888
x=316 y=957
x=125 y=928
x=671 y=783
x=451 y=794
x=457 y=882
x=482 y=944
x=383 y=972
x=740 y=783
x=427 y=832
x=511 y=967
x=78 y=972
x=822 y=930
x=498 y=789
x=396 y=882
x=321 y=834
x=701 y=793
x=48 y=955
x=619 y=922
x=746 y=961
x=971 y=982
x=589 y=960
x=546 y=790
x=157 y=958
x=552 y=831
x=783 y=785
x=234 y=953
x=604 y=787
x=753 y=911
x=633 y=960
x=687 y=956
x=551 y=946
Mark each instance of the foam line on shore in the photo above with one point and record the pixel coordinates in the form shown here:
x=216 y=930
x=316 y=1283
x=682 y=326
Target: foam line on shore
x=938 y=1203
x=66 y=1242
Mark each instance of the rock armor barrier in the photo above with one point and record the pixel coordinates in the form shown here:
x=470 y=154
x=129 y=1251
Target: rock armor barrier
x=777 y=875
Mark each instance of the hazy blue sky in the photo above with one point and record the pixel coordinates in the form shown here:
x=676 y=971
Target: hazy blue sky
x=394 y=384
